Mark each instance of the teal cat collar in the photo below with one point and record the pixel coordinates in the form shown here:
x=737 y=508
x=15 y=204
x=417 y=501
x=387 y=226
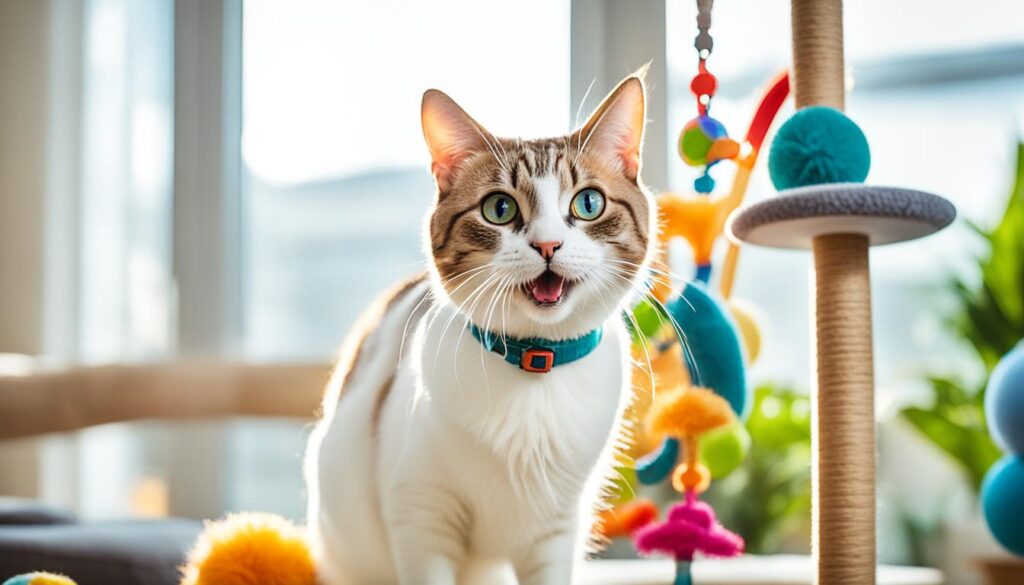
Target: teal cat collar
x=536 y=354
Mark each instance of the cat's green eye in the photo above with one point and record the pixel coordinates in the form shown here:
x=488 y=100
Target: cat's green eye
x=499 y=208
x=588 y=204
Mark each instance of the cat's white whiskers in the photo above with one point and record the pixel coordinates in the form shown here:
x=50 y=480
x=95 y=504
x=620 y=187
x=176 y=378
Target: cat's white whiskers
x=583 y=102
x=460 y=311
x=466 y=275
x=663 y=311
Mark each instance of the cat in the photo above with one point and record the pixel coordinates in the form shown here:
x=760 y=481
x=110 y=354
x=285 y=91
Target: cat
x=453 y=438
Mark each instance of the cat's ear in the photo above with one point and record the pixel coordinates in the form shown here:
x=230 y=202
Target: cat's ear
x=615 y=131
x=451 y=135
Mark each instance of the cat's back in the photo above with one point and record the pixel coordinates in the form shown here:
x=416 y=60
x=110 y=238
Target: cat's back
x=373 y=345
x=339 y=458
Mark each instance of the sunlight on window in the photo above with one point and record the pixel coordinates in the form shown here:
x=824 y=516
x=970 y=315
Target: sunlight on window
x=337 y=173
x=328 y=94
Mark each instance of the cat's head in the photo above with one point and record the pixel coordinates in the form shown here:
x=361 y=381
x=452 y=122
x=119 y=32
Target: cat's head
x=539 y=237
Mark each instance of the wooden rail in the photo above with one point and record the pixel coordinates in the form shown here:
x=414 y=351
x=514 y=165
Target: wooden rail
x=72 y=399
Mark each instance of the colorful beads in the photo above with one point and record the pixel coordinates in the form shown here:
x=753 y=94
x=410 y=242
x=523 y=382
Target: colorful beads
x=704 y=184
x=703 y=84
x=687 y=478
x=704 y=141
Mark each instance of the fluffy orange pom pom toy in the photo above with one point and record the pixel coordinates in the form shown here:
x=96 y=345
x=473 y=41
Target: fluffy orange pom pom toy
x=687 y=412
x=251 y=549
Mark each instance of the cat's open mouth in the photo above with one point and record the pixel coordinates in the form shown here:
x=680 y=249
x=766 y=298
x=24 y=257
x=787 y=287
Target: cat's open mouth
x=547 y=289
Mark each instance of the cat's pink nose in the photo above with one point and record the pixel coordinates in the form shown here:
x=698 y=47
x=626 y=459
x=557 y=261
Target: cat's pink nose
x=546 y=249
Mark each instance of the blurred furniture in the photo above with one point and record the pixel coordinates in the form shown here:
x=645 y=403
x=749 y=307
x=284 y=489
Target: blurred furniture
x=37 y=400
x=20 y=512
x=129 y=552
x=1002 y=571
x=34 y=536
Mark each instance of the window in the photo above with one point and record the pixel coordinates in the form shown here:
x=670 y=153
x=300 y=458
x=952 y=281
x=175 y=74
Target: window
x=336 y=172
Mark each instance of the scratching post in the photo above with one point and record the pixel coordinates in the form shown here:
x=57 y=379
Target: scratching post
x=838 y=218
x=818 y=63
x=843 y=476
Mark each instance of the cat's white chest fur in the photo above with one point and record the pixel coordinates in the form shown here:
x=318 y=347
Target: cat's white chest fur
x=474 y=460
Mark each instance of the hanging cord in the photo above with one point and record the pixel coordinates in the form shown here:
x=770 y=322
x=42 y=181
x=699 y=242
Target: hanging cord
x=705 y=88
x=703 y=42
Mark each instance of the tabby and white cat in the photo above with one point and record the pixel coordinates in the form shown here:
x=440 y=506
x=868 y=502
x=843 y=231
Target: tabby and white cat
x=438 y=455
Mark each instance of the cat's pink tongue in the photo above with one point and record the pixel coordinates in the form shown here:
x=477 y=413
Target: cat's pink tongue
x=547 y=288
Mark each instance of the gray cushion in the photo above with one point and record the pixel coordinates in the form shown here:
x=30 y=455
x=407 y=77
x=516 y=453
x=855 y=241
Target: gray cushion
x=794 y=217
x=16 y=511
x=136 y=552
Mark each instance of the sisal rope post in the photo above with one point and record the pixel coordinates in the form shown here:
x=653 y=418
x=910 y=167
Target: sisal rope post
x=819 y=70
x=838 y=222
x=843 y=476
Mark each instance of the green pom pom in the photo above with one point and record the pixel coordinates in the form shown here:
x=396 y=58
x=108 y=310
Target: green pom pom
x=818 y=145
x=723 y=450
x=650 y=318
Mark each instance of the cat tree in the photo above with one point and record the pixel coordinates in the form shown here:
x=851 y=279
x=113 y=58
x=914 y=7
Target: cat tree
x=838 y=222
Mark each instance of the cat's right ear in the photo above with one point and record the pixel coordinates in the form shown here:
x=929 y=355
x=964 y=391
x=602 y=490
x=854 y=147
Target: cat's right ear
x=451 y=135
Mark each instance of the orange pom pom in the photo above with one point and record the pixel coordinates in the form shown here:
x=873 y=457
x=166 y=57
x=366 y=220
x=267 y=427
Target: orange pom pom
x=625 y=519
x=251 y=549
x=689 y=411
x=696 y=478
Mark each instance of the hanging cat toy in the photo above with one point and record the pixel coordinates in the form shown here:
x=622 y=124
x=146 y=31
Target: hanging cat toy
x=694 y=343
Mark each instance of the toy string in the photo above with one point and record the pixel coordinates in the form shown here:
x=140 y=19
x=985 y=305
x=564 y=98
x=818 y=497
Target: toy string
x=683 y=574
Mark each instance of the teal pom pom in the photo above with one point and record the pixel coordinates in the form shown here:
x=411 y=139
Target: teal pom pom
x=818 y=145
x=1001 y=502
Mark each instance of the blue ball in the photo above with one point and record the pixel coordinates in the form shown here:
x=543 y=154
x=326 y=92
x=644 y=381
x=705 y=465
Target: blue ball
x=818 y=145
x=1002 y=501
x=1004 y=402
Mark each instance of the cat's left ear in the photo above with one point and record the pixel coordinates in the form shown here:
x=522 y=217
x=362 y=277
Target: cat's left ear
x=451 y=135
x=615 y=131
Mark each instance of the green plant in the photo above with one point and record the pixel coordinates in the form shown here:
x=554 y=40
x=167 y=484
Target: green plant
x=990 y=317
x=768 y=499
